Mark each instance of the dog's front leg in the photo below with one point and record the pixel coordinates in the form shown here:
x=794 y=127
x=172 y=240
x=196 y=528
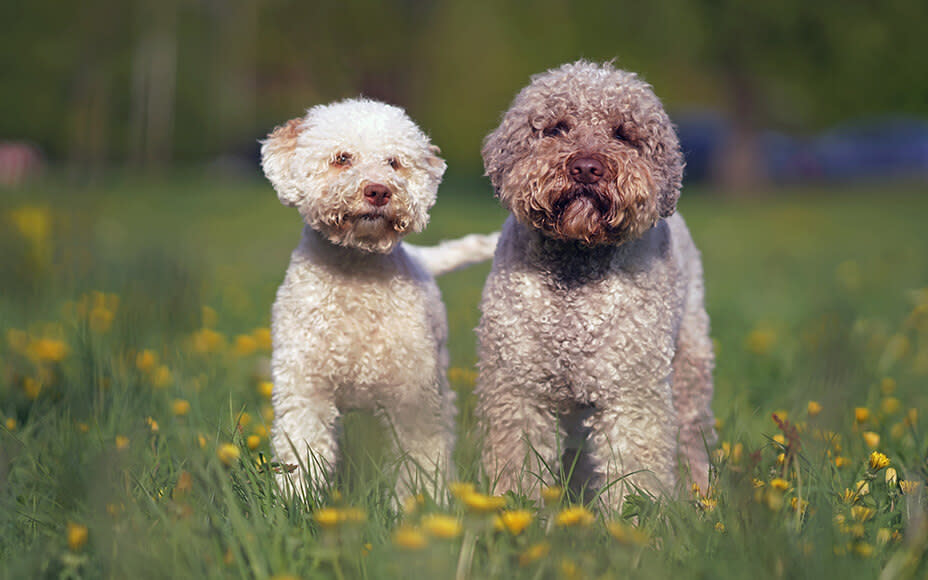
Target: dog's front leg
x=303 y=437
x=633 y=444
x=422 y=431
x=523 y=439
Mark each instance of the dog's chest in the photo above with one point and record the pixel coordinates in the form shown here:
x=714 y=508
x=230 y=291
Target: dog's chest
x=367 y=335
x=611 y=324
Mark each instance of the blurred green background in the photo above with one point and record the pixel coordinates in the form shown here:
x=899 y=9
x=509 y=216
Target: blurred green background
x=105 y=84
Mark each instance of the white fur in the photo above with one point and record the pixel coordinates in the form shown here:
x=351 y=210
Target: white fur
x=358 y=321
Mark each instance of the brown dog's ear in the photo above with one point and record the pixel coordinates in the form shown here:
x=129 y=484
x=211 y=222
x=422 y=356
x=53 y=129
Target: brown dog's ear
x=276 y=158
x=672 y=164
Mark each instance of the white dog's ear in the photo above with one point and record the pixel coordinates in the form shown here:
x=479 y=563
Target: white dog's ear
x=277 y=153
x=434 y=161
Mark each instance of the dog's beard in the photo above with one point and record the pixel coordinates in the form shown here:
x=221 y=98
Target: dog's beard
x=611 y=211
x=582 y=214
x=361 y=226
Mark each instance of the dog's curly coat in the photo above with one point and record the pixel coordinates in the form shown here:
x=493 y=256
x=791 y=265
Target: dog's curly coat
x=358 y=321
x=593 y=319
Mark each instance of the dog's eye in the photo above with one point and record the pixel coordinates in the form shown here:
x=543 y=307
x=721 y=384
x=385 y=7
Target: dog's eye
x=394 y=163
x=619 y=134
x=342 y=159
x=559 y=128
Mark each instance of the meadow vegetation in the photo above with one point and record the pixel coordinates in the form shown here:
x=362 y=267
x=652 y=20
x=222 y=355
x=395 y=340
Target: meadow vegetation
x=134 y=401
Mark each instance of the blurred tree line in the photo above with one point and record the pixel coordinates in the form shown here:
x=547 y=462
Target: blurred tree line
x=150 y=82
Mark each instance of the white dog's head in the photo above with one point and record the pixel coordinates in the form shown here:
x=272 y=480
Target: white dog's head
x=360 y=172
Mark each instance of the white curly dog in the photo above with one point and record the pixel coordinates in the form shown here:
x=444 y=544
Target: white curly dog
x=358 y=321
x=593 y=333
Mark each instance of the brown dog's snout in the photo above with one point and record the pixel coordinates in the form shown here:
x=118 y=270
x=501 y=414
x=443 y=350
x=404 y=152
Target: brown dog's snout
x=586 y=170
x=377 y=194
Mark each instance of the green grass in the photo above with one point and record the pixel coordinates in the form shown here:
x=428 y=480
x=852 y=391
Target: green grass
x=814 y=296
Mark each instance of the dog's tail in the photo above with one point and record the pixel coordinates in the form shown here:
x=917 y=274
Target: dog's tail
x=450 y=255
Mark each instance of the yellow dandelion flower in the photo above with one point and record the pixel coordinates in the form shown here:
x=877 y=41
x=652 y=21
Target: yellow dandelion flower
x=908 y=487
x=911 y=418
x=409 y=538
x=328 y=517
x=262 y=338
x=412 y=503
x=758 y=483
x=245 y=345
x=737 y=452
x=888 y=386
x=871 y=439
x=718 y=424
x=779 y=483
x=883 y=536
x=461 y=488
x=892 y=478
x=162 y=377
x=798 y=505
x=774 y=499
x=708 y=504
x=207 y=340
x=201 y=440
x=101 y=319
x=10 y=424
x=267 y=413
x=32 y=388
x=534 y=553
x=152 y=424
x=861 y=414
x=552 y=494
x=253 y=442
x=265 y=388
x=574 y=516
x=441 y=526
x=48 y=350
x=481 y=503
x=720 y=527
x=814 y=408
x=760 y=341
x=77 y=536
x=244 y=419
x=781 y=458
x=890 y=405
x=180 y=407
x=841 y=461
x=146 y=360
x=228 y=453
x=569 y=569
x=863 y=549
x=781 y=414
x=878 y=461
x=862 y=488
x=627 y=534
x=514 y=521
x=779 y=438
x=122 y=442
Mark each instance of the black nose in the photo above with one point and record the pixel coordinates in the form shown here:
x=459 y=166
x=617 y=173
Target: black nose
x=585 y=170
x=377 y=194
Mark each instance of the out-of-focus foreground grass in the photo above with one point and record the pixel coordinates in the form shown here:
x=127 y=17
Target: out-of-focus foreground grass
x=134 y=401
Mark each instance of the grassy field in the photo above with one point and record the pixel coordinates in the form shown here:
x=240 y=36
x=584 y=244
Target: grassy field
x=134 y=401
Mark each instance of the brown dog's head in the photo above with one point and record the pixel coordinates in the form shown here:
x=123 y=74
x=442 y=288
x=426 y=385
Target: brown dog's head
x=586 y=153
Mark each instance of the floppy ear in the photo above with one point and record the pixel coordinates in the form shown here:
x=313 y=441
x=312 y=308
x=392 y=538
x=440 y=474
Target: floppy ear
x=436 y=164
x=672 y=164
x=276 y=158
